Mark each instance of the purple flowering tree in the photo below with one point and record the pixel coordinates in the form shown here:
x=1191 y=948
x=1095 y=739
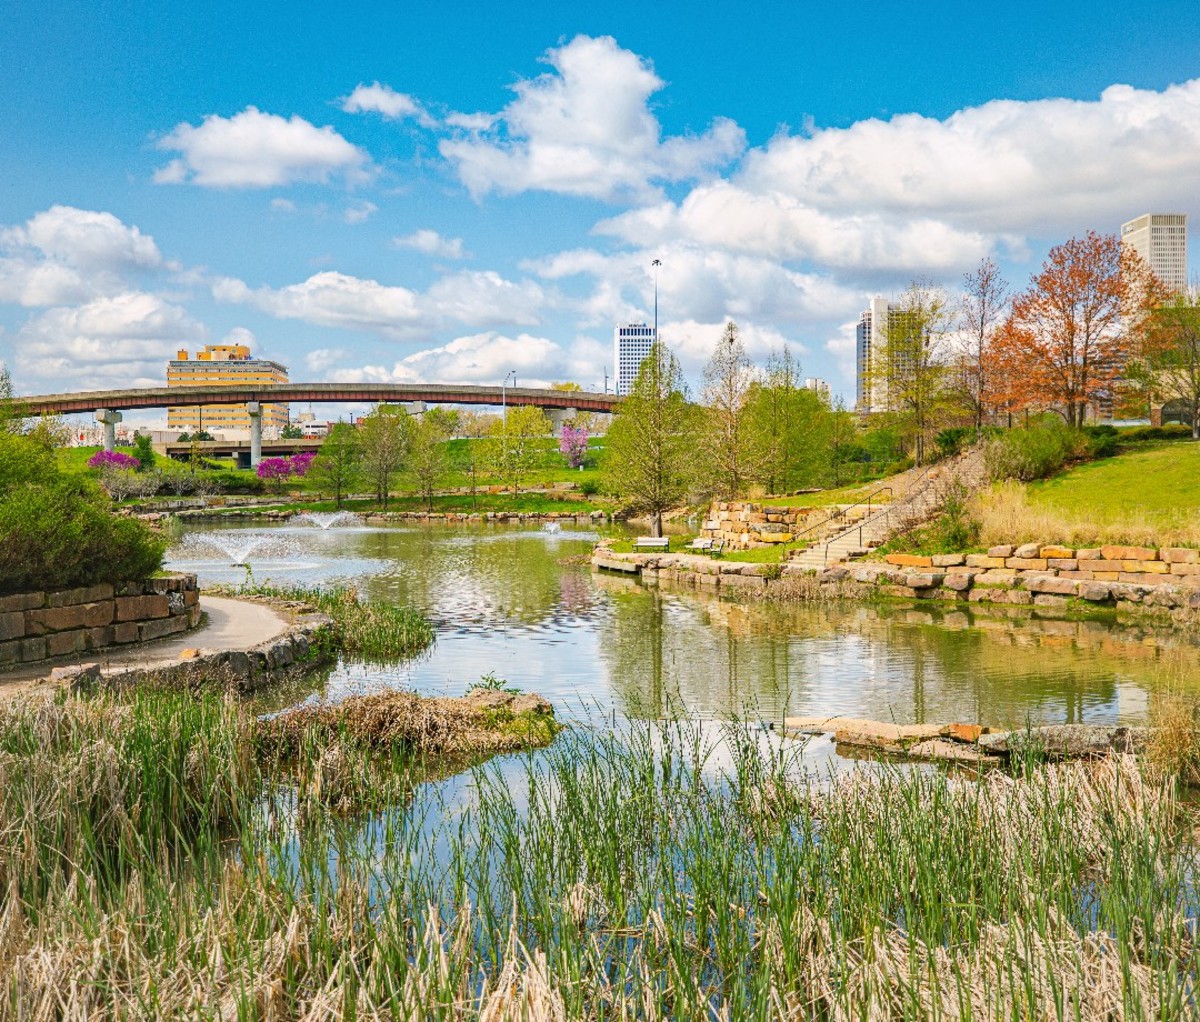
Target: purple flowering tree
x=275 y=470
x=112 y=460
x=573 y=445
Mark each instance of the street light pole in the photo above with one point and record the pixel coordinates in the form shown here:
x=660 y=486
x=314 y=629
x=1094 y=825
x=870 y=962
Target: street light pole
x=656 y=264
x=504 y=394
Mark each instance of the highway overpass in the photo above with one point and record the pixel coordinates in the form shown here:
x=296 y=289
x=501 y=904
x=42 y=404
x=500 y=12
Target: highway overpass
x=107 y=405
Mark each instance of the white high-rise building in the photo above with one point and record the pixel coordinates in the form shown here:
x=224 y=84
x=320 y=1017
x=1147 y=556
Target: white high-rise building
x=871 y=337
x=818 y=386
x=1161 y=240
x=631 y=344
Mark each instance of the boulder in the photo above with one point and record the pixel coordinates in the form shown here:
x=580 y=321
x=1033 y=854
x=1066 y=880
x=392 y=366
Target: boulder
x=80 y=677
x=1026 y=550
x=1068 y=741
x=533 y=703
x=1000 y=551
x=941 y=750
x=488 y=699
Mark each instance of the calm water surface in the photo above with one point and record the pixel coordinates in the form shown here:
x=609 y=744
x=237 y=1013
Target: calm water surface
x=519 y=602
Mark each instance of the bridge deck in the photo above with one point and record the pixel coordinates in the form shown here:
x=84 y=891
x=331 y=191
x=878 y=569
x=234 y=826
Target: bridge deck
x=312 y=393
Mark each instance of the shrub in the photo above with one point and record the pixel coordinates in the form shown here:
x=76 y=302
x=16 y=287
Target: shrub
x=1140 y=434
x=1034 y=451
x=950 y=441
x=58 y=533
x=1102 y=440
x=143 y=450
x=589 y=487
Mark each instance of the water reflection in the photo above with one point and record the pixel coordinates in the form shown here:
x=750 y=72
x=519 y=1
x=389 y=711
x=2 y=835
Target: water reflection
x=516 y=602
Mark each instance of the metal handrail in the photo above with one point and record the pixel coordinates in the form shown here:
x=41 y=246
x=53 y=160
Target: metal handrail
x=915 y=490
x=842 y=511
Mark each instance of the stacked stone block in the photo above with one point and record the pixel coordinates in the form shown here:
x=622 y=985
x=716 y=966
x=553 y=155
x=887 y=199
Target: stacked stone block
x=742 y=525
x=39 y=626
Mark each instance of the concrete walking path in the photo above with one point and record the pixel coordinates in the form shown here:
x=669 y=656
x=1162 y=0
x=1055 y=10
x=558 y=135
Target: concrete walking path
x=228 y=624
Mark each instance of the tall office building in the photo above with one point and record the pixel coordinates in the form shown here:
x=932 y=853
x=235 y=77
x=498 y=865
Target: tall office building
x=224 y=365
x=878 y=369
x=870 y=339
x=1161 y=240
x=631 y=344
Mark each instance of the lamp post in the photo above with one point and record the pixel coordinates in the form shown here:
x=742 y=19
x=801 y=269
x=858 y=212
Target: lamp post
x=504 y=394
x=656 y=264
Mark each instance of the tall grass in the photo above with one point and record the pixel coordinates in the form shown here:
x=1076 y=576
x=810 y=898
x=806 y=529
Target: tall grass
x=1006 y=515
x=372 y=631
x=641 y=874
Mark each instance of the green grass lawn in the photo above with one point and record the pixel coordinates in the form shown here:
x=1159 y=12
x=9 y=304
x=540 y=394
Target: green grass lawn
x=1159 y=481
x=839 y=495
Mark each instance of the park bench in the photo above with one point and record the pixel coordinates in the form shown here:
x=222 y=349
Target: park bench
x=707 y=545
x=652 y=543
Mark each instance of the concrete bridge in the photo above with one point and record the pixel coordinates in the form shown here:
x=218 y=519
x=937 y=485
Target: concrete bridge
x=109 y=404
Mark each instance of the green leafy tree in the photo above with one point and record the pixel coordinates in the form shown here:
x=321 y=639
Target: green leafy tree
x=383 y=438
x=516 y=444
x=729 y=451
x=843 y=440
x=143 y=450
x=428 y=456
x=336 y=466
x=447 y=420
x=1171 y=353
x=292 y=431
x=789 y=428
x=914 y=365
x=651 y=444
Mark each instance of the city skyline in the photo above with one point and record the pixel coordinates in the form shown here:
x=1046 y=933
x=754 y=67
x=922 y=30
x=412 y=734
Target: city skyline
x=399 y=211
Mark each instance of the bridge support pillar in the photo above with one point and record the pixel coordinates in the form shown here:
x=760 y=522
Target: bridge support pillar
x=109 y=420
x=559 y=417
x=254 y=409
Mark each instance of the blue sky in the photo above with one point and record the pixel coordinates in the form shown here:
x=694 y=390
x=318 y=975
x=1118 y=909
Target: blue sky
x=445 y=192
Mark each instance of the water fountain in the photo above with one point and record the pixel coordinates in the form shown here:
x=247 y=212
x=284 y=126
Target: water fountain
x=327 y=519
x=238 y=547
x=552 y=527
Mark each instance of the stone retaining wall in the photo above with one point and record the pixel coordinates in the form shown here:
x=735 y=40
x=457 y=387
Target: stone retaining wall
x=1045 y=575
x=384 y=518
x=39 y=626
x=744 y=524
x=306 y=645
x=959 y=578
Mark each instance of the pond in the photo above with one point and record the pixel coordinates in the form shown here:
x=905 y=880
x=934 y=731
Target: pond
x=520 y=603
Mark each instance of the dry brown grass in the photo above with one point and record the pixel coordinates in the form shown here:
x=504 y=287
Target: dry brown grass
x=1175 y=735
x=1006 y=515
x=413 y=723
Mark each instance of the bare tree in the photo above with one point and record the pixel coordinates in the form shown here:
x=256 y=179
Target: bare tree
x=984 y=307
x=728 y=378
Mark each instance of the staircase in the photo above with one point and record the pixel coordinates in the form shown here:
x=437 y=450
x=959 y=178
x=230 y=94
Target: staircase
x=921 y=499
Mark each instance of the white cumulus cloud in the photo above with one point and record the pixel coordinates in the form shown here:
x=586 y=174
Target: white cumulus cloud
x=431 y=243
x=65 y=255
x=116 y=341
x=585 y=128
x=478 y=299
x=483 y=358
x=387 y=102
x=253 y=149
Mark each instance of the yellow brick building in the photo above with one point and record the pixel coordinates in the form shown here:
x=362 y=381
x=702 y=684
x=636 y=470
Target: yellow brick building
x=223 y=365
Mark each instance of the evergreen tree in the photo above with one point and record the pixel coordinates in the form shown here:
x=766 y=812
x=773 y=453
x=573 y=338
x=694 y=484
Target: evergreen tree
x=650 y=448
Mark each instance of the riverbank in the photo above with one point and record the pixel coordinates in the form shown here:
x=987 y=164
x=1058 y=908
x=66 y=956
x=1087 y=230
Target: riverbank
x=1046 y=584
x=238 y=642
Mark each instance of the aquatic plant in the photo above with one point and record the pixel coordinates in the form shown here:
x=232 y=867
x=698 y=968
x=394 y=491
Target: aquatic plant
x=151 y=868
x=372 y=631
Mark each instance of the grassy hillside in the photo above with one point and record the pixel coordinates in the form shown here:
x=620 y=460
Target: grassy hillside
x=1157 y=481
x=1150 y=494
